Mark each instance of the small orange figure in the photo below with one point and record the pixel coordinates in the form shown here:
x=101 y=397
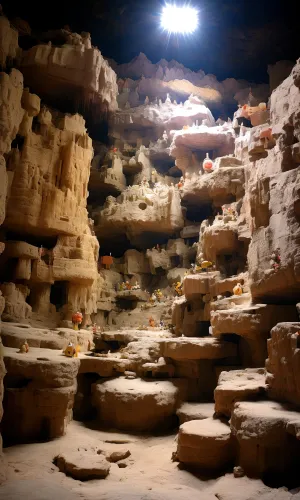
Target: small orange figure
x=71 y=351
x=151 y=322
x=207 y=164
x=77 y=319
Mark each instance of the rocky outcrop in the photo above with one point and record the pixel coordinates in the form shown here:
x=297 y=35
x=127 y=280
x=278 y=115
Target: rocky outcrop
x=76 y=70
x=267 y=436
x=283 y=363
x=238 y=385
x=39 y=389
x=205 y=444
x=138 y=405
x=140 y=210
x=273 y=184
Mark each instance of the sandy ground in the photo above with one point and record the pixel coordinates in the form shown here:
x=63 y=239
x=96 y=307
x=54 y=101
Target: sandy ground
x=150 y=473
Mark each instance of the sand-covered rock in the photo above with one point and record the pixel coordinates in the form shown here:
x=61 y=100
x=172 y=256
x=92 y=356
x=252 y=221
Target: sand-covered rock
x=205 y=444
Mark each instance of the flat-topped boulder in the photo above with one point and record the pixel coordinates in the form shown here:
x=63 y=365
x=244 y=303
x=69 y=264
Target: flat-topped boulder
x=267 y=436
x=220 y=239
x=256 y=319
x=205 y=444
x=219 y=187
x=136 y=405
x=197 y=348
x=83 y=466
x=195 y=285
x=105 y=365
x=204 y=138
x=253 y=323
x=138 y=210
x=14 y=335
x=49 y=367
x=130 y=335
x=238 y=385
x=195 y=411
x=39 y=390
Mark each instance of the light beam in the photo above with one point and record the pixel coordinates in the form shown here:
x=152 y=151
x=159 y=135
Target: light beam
x=175 y=19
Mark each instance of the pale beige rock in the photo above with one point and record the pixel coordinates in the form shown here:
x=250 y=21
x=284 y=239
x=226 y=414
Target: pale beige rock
x=16 y=307
x=49 y=194
x=204 y=138
x=73 y=70
x=238 y=385
x=218 y=187
x=283 y=363
x=205 y=444
x=267 y=436
x=136 y=405
x=83 y=466
x=253 y=323
x=195 y=411
x=43 y=394
x=272 y=185
x=14 y=335
x=140 y=209
x=197 y=348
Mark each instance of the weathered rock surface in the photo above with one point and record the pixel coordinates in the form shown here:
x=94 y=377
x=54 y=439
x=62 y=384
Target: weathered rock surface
x=195 y=411
x=76 y=69
x=205 y=444
x=140 y=210
x=39 y=389
x=197 y=348
x=283 y=363
x=136 y=405
x=238 y=385
x=267 y=436
x=83 y=466
x=272 y=184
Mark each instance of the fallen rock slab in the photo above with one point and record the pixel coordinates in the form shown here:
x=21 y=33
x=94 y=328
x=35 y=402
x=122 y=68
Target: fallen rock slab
x=83 y=466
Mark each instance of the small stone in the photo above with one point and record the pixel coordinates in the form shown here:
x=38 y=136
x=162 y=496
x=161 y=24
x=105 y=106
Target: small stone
x=116 y=456
x=122 y=465
x=238 y=471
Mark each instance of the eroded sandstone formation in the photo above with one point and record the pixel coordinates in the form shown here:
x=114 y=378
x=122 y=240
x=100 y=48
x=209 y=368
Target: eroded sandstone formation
x=175 y=250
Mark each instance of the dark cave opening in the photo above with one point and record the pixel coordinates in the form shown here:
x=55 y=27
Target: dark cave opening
x=59 y=294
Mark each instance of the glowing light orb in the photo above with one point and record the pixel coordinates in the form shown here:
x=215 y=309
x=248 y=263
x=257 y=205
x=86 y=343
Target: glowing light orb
x=176 y=19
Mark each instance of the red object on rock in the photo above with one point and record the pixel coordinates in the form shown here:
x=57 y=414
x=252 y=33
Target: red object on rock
x=77 y=318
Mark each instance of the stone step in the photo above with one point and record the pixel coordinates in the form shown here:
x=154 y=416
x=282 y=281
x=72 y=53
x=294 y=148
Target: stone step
x=39 y=391
x=283 y=363
x=267 y=435
x=195 y=411
x=197 y=348
x=14 y=335
x=238 y=385
x=137 y=405
x=205 y=444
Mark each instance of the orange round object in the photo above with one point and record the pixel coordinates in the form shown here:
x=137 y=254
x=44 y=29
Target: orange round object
x=106 y=260
x=207 y=164
x=77 y=318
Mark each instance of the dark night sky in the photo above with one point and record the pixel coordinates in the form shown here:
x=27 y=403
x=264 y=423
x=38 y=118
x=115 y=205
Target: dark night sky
x=236 y=38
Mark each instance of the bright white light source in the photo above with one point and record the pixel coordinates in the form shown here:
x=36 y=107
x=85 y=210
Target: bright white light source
x=179 y=19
